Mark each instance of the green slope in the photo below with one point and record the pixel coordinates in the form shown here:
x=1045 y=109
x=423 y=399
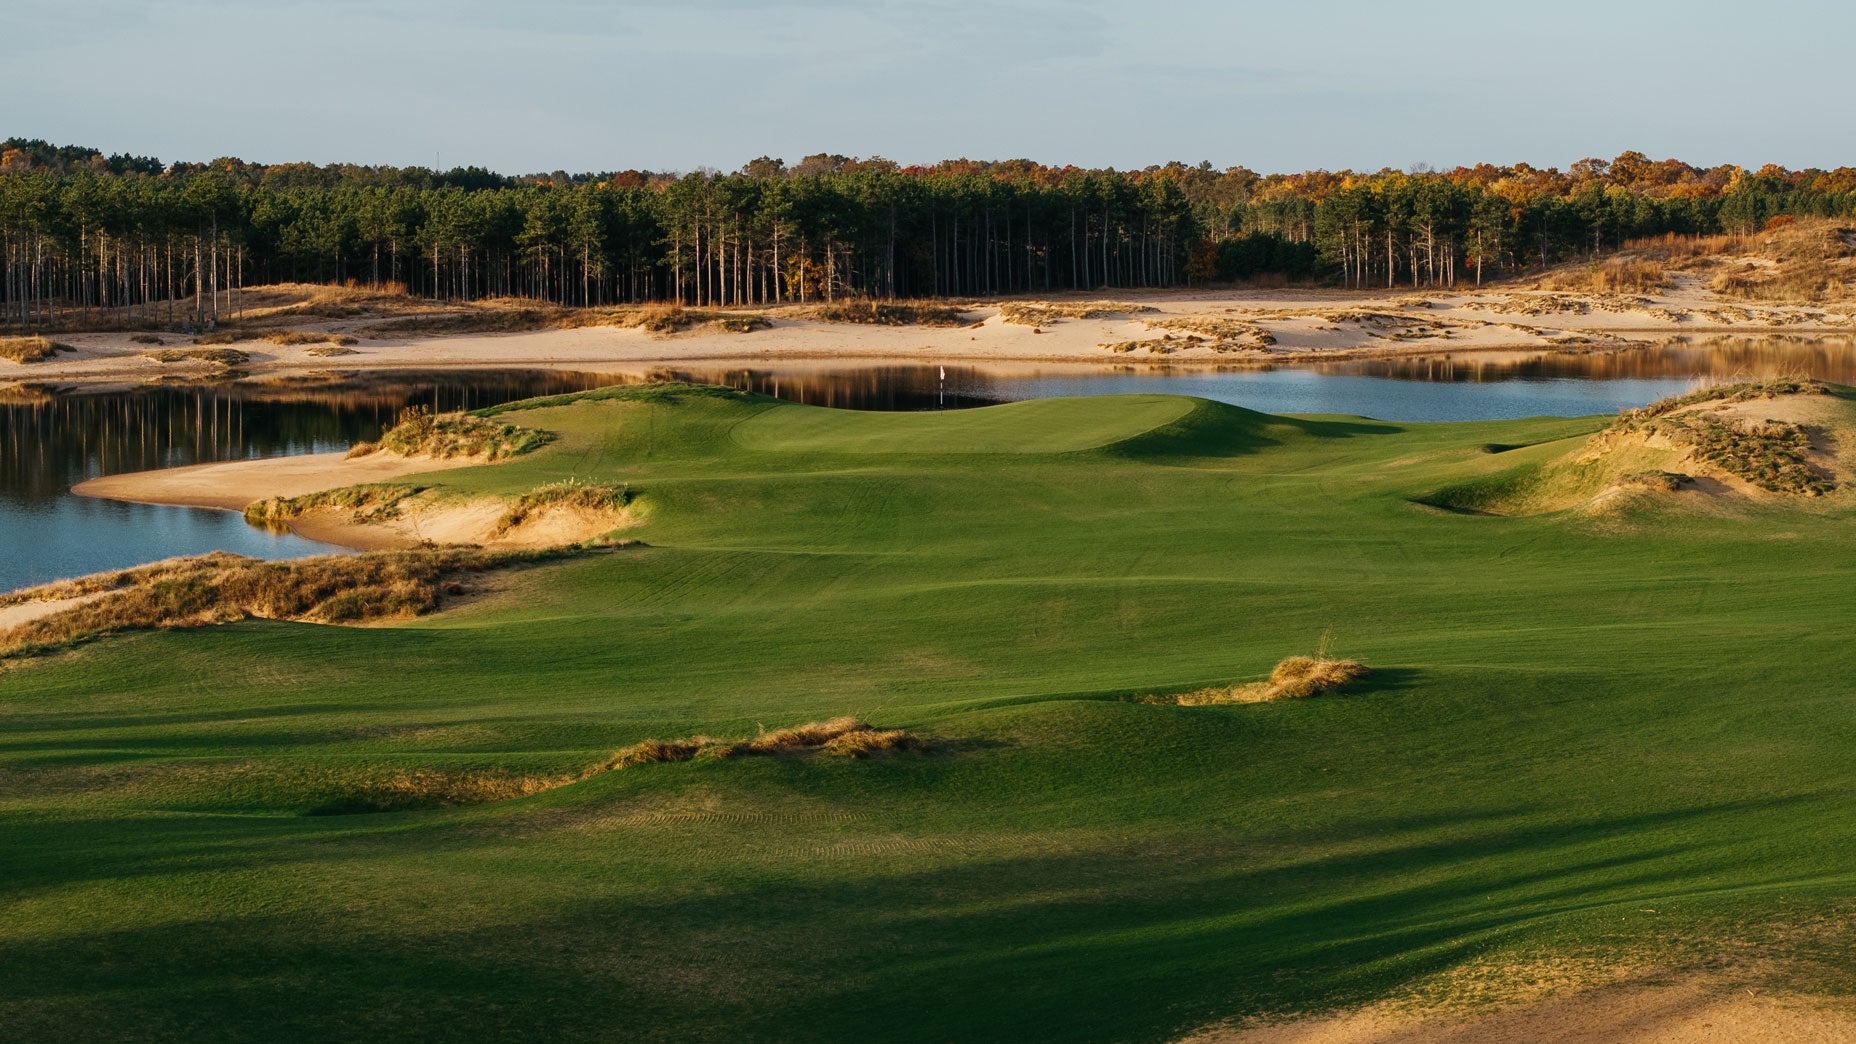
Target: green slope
x=1581 y=740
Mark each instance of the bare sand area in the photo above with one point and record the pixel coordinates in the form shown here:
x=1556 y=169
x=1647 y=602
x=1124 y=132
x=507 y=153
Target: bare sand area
x=12 y=616
x=232 y=485
x=1688 y=1011
x=1157 y=327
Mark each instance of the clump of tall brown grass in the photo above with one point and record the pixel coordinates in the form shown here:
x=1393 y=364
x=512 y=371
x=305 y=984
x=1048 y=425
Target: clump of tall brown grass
x=324 y=351
x=1297 y=677
x=420 y=432
x=1616 y=275
x=222 y=337
x=146 y=339
x=1042 y=313
x=226 y=357
x=405 y=790
x=368 y=504
x=567 y=493
x=521 y=316
x=1742 y=391
x=1219 y=333
x=31 y=349
x=840 y=737
x=287 y=338
x=888 y=313
x=222 y=588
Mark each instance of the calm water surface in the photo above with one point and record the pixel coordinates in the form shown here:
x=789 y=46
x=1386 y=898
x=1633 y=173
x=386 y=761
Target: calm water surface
x=52 y=438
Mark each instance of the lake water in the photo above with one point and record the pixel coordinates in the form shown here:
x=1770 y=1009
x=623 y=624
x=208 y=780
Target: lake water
x=52 y=438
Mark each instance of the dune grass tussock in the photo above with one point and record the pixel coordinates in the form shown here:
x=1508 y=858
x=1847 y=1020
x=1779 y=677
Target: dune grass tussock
x=524 y=316
x=31 y=349
x=409 y=790
x=1771 y=454
x=841 y=737
x=886 y=313
x=367 y=504
x=1219 y=333
x=567 y=493
x=294 y=337
x=324 y=351
x=223 y=588
x=1297 y=677
x=153 y=339
x=220 y=337
x=1724 y=394
x=420 y=432
x=405 y=790
x=216 y=356
x=1617 y=275
x=1043 y=313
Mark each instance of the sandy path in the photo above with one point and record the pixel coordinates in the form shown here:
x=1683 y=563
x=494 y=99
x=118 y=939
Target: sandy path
x=1691 y=1012
x=14 y=615
x=232 y=485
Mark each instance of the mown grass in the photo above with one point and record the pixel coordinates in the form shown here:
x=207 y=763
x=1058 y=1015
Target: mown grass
x=1576 y=741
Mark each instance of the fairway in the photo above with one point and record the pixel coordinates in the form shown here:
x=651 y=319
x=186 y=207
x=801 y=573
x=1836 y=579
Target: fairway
x=1588 y=740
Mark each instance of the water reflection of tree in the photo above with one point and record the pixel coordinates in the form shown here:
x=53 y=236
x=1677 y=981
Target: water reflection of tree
x=50 y=439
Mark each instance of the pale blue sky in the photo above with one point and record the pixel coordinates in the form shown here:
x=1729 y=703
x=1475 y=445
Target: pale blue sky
x=584 y=85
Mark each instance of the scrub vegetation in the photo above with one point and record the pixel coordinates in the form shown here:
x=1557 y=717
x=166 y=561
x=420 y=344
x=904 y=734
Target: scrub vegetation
x=422 y=433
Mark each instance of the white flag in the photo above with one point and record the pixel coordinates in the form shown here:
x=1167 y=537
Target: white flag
x=944 y=373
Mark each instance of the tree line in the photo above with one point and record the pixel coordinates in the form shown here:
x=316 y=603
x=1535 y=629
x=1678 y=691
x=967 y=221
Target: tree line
x=129 y=236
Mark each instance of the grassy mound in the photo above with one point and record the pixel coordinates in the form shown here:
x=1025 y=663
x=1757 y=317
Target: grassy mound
x=367 y=504
x=295 y=337
x=567 y=494
x=887 y=313
x=223 y=357
x=1718 y=439
x=31 y=349
x=1043 y=313
x=421 y=433
x=1297 y=677
x=222 y=588
x=1031 y=426
x=841 y=737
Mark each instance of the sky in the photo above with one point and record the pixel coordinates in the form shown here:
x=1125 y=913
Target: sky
x=524 y=86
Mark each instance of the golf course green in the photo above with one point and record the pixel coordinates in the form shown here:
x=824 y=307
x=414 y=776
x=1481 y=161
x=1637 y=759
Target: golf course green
x=1625 y=736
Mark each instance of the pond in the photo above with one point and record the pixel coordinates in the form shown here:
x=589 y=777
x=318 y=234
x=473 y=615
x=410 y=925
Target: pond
x=52 y=438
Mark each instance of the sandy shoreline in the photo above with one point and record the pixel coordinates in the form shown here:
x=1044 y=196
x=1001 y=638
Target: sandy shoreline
x=232 y=485
x=1301 y=327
